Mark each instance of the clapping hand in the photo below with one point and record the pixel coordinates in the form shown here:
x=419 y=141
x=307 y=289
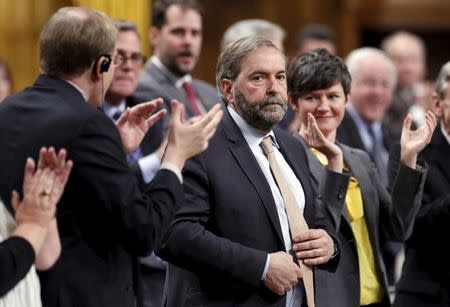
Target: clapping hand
x=42 y=187
x=188 y=138
x=316 y=139
x=413 y=141
x=134 y=123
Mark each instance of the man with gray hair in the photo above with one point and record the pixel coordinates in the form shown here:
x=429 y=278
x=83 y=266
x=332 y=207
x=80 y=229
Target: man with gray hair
x=425 y=276
x=374 y=77
x=258 y=27
x=230 y=244
x=373 y=82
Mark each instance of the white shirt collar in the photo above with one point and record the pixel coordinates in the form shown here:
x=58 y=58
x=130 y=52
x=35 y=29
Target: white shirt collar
x=361 y=124
x=252 y=135
x=110 y=110
x=445 y=134
x=177 y=81
x=78 y=89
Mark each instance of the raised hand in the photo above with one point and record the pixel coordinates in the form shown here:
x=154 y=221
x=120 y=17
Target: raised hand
x=186 y=139
x=42 y=187
x=35 y=214
x=313 y=247
x=316 y=139
x=283 y=273
x=413 y=141
x=134 y=123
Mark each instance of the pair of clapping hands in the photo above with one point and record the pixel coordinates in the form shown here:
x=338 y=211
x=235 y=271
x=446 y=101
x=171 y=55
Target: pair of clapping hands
x=43 y=185
x=412 y=142
x=185 y=138
x=315 y=246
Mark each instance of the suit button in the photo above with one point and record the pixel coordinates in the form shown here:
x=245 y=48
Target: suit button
x=319 y=196
x=129 y=288
x=340 y=194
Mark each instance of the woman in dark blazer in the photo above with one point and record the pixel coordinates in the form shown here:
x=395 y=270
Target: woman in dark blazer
x=319 y=86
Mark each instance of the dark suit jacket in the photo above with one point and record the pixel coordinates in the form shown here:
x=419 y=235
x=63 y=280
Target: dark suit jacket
x=154 y=83
x=150 y=142
x=425 y=279
x=218 y=244
x=348 y=134
x=16 y=258
x=387 y=217
x=103 y=219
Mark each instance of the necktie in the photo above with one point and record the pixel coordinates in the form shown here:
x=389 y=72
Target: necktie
x=376 y=157
x=190 y=93
x=297 y=223
x=116 y=115
x=135 y=155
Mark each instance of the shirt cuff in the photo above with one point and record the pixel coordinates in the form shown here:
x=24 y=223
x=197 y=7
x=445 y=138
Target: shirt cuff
x=149 y=166
x=266 y=267
x=171 y=167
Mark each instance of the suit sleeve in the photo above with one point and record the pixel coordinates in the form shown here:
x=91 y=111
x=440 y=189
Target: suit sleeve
x=434 y=215
x=190 y=242
x=399 y=208
x=16 y=258
x=101 y=170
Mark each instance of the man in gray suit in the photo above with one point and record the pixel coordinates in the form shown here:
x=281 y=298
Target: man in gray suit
x=176 y=38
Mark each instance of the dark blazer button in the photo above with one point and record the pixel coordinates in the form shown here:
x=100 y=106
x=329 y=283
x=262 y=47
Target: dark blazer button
x=319 y=196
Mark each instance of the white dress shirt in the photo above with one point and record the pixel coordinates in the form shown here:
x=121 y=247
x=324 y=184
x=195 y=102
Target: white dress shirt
x=254 y=137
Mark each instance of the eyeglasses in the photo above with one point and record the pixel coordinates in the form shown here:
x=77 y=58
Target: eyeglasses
x=116 y=59
x=135 y=57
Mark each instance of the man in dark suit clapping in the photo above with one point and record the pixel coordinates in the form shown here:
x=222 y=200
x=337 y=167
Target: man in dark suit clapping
x=104 y=220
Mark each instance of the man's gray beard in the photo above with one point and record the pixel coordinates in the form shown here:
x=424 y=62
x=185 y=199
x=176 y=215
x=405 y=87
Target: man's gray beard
x=254 y=114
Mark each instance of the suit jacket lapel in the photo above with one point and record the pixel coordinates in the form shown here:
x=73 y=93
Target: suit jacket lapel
x=441 y=149
x=167 y=87
x=359 y=171
x=207 y=104
x=301 y=169
x=249 y=165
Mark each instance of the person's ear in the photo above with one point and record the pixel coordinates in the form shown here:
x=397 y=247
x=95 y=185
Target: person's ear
x=436 y=105
x=101 y=65
x=347 y=98
x=294 y=103
x=226 y=88
x=105 y=62
x=154 y=36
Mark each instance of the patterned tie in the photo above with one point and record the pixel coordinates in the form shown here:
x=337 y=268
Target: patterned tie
x=135 y=155
x=190 y=93
x=297 y=223
x=376 y=157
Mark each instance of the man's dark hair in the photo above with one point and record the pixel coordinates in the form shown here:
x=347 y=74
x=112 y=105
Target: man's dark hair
x=315 y=31
x=160 y=8
x=316 y=70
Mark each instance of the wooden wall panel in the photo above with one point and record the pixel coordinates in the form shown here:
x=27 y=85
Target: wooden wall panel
x=20 y=24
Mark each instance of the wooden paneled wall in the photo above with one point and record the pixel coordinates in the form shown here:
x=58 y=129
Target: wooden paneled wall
x=22 y=20
x=20 y=24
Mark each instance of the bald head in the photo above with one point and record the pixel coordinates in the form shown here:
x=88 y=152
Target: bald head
x=407 y=51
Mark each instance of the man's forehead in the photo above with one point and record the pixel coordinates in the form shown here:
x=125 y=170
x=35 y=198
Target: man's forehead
x=128 y=41
x=264 y=58
x=177 y=15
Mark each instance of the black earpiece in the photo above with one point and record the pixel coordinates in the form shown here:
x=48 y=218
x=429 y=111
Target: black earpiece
x=104 y=65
